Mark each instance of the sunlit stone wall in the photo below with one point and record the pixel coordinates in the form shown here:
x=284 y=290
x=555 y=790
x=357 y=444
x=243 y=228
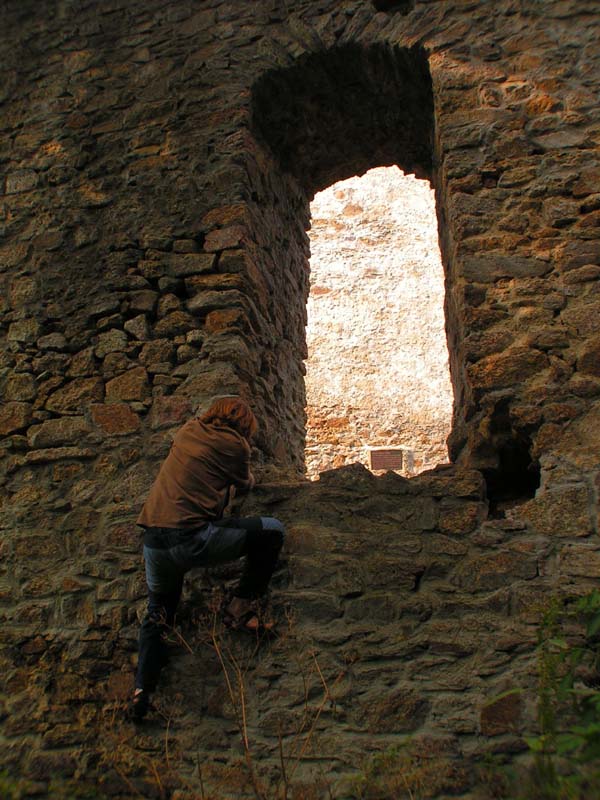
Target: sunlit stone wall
x=377 y=371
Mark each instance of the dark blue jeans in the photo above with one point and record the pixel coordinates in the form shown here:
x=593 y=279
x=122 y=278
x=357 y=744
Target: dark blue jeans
x=171 y=552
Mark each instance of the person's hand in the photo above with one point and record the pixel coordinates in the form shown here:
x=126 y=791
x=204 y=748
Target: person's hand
x=252 y=481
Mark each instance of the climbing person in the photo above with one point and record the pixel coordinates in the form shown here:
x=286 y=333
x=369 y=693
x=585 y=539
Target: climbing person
x=184 y=528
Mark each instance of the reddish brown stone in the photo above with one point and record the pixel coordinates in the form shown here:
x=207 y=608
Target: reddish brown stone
x=502 y=715
x=174 y=323
x=115 y=418
x=76 y=396
x=132 y=385
x=91 y=196
x=66 y=472
x=226 y=215
x=119 y=686
x=159 y=350
x=583 y=318
x=185 y=264
x=56 y=454
x=185 y=246
x=241 y=261
x=540 y=104
x=56 y=432
x=591 y=220
x=83 y=363
x=452 y=481
x=205 y=302
x=589 y=360
x=14 y=417
x=459 y=517
x=35 y=646
x=225 y=319
x=124 y=537
x=560 y=511
x=493 y=570
x=561 y=412
x=21 y=181
x=25 y=331
x=23 y=290
x=589 y=272
x=485 y=343
x=234 y=261
x=111 y=341
x=580 y=562
x=11 y=255
x=169 y=411
x=197 y=283
x=167 y=304
x=399 y=711
x=225 y=238
x=138 y=327
x=70 y=584
x=507 y=368
x=143 y=301
x=76 y=121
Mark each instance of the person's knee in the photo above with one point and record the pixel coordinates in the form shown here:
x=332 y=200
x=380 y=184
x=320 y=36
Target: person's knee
x=273 y=524
x=271 y=536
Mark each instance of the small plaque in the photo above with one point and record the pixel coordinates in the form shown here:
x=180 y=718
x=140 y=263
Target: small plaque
x=387 y=459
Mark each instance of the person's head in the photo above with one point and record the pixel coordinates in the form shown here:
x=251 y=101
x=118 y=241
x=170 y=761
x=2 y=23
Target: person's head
x=233 y=412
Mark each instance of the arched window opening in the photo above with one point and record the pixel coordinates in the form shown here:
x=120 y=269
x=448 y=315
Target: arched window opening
x=377 y=379
x=326 y=117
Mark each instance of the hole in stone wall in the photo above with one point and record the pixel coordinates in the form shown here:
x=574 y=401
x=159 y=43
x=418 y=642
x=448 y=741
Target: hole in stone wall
x=393 y=6
x=377 y=377
x=515 y=477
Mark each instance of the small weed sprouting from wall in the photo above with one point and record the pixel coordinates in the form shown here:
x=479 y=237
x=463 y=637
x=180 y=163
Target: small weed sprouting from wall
x=9 y=788
x=19 y=788
x=392 y=773
x=407 y=772
x=566 y=749
x=291 y=750
x=564 y=753
x=153 y=763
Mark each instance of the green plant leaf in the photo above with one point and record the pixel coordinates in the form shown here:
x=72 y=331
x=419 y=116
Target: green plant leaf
x=501 y=696
x=536 y=743
x=567 y=742
x=587 y=730
x=559 y=642
x=593 y=625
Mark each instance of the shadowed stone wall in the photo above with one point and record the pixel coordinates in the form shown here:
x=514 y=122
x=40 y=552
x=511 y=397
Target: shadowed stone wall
x=157 y=164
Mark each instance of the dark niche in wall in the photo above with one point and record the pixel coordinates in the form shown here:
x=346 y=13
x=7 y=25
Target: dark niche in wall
x=515 y=476
x=394 y=6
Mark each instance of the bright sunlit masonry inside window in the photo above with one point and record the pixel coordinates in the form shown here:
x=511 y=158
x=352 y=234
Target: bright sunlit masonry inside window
x=377 y=383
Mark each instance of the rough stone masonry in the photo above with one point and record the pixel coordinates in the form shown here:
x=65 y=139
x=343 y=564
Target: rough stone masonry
x=157 y=161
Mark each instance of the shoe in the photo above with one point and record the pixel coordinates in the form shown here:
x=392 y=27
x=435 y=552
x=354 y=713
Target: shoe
x=249 y=620
x=139 y=705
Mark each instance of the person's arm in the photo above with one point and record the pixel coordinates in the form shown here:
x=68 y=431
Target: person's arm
x=245 y=484
x=240 y=473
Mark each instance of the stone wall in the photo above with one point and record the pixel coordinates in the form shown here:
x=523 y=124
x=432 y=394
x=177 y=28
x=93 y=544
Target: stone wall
x=157 y=163
x=377 y=368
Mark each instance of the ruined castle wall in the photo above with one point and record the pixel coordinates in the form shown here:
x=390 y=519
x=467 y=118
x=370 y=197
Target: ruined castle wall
x=157 y=163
